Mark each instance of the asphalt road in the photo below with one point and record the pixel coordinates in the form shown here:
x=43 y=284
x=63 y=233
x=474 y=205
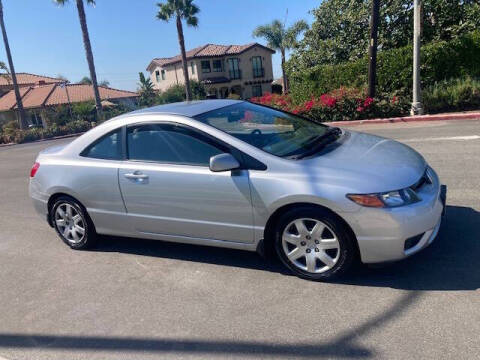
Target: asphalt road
x=138 y=299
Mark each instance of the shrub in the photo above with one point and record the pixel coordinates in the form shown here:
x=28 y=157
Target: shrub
x=20 y=136
x=84 y=111
x=342 y=104
x=441 y=60
x=450 y=95
x=176 y=93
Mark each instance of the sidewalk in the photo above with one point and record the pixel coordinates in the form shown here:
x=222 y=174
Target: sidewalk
x=468 y=115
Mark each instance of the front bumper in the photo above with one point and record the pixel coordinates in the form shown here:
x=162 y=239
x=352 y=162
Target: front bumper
x=382 y=233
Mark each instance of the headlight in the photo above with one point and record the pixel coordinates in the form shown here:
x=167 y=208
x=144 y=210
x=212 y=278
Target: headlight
x=387 y=199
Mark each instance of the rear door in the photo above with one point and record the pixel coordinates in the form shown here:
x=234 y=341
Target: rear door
x=169 y=190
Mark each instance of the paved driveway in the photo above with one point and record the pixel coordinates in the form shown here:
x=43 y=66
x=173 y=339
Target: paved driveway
x=152 y=300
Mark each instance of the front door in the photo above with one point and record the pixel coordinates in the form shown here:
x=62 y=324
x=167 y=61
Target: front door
x=169 y=190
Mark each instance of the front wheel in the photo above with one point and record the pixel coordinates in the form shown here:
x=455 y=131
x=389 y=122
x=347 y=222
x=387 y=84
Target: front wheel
x=314 y=244
x=72 y=223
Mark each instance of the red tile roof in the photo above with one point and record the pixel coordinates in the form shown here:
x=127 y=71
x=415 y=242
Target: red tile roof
x=37 y=96
x=28 y=79
x=53 y=94
x=208 y=50
x=81 y=93
x=8 y=101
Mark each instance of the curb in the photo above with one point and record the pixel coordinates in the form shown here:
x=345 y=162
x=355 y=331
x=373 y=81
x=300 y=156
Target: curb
x=439 y=117
x=36 y=141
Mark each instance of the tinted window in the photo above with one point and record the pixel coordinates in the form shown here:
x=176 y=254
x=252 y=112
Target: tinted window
x=167 y=143
x=107 y=147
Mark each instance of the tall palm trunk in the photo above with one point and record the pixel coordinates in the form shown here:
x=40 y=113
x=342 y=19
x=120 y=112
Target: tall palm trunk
x=284 y=75
x=88 y=51
x=21 y=111
x=181 y=41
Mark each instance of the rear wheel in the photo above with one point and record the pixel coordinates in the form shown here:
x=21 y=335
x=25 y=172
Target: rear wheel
x=314 y=244
x=72 y=224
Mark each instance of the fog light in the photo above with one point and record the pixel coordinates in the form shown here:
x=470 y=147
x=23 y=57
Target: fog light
x=413 y=241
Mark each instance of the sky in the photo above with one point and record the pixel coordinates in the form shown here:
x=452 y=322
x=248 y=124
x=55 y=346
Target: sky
x=45 y=39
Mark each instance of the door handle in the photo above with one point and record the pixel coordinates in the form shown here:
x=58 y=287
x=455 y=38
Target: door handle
x=136 y=175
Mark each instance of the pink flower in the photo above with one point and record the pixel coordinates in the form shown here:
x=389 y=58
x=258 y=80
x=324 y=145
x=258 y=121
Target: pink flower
x=308 y=105
x=360 y=109
x=328 y=100
x=368 y=101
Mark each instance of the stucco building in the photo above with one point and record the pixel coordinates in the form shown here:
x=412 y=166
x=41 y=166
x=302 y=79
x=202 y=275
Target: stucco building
x=245 y=70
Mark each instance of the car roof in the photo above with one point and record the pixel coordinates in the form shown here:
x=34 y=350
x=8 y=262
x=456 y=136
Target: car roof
x=186 y=108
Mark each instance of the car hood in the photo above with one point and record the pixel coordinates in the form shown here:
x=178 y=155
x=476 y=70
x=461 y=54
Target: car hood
x=367 y=163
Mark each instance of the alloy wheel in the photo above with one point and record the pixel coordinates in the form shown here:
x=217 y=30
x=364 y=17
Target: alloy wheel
x=311 y=245
x=70 y=223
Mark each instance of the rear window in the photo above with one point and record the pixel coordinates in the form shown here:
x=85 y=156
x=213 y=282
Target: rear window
x=108 y=147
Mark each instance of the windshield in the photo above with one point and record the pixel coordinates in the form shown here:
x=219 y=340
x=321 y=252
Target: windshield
x=276 y=132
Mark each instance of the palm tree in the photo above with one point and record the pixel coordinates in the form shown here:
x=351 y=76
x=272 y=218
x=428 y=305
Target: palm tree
x=21 y=110
x=186 y=10
x=280 y=38
x=146 y=91
x=88 y=49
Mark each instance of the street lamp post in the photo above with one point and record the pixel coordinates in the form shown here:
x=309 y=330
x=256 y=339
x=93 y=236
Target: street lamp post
x=417 y=107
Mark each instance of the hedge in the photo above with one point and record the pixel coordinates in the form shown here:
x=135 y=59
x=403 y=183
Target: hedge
x=442 y=60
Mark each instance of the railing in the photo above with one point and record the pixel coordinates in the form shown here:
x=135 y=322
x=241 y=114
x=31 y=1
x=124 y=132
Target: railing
x=258 y=72
x=235 y=74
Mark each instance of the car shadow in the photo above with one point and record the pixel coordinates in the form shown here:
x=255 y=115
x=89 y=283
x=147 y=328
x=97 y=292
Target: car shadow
x=450 y=263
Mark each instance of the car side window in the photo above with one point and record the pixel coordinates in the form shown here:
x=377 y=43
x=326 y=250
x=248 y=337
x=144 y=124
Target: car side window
x=169 y=143
x=108 y=147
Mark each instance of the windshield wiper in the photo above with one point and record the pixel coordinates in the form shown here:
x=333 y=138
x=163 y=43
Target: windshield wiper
x=319 y=141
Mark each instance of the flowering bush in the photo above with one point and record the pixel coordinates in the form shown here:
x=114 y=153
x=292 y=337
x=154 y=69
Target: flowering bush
x=338 y=105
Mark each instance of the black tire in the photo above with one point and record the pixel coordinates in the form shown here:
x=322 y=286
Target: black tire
x=89 y=236
x=347 y=253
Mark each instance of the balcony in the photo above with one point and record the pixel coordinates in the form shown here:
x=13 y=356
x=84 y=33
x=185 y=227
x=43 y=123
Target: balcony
x=258 y=72
x=235 y=74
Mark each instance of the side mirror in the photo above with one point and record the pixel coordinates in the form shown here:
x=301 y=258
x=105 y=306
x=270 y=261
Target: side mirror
x=223 y=162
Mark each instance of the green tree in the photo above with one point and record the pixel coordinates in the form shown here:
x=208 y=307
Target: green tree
x=340 y=30
x=85 y=80
x=88 y=49
x=180 y=10
x=146 y=91
x=21 y=111
x=280 y=38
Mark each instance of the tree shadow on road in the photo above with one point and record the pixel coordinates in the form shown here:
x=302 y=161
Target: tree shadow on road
x=450 y=263
x=344 y=345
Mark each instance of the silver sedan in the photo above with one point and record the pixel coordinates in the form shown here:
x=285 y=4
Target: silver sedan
x=238 y=175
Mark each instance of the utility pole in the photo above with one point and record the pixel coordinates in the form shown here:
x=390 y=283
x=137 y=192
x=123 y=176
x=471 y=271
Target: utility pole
x=372 y=49
x=417 y=107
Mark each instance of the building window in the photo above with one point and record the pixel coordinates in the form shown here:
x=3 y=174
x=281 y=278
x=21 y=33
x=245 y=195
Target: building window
x=234 y=69
x=217 y=66
x=163 y=74
x=192 y=65
x=157 y=75
x=206 y=66
x=257 y=67
x=256 y=90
